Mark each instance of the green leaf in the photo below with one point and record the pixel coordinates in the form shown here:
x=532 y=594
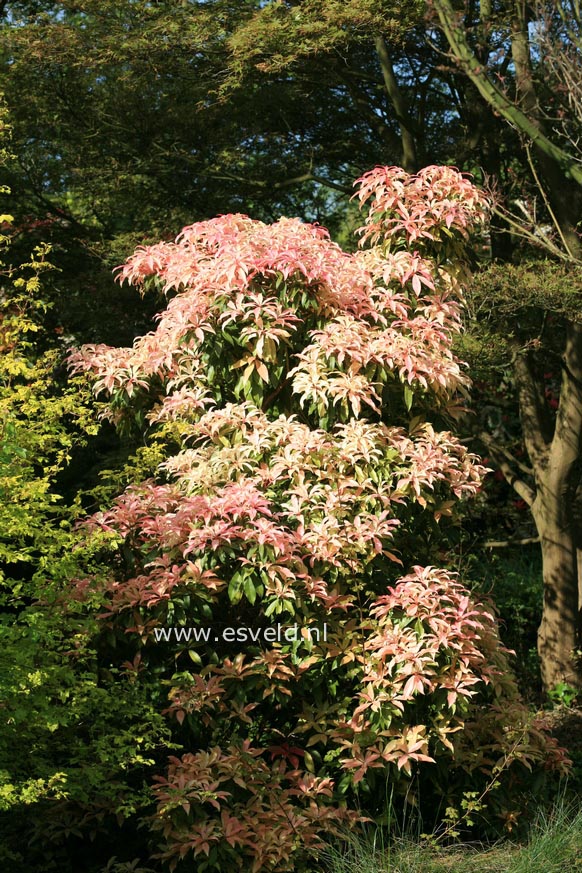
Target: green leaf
x=235 y=588
x=408 y=397
x=250 y=590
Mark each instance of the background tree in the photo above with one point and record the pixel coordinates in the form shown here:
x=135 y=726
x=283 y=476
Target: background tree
x=553 y=442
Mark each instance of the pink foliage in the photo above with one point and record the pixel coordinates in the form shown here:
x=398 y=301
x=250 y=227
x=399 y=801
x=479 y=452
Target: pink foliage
x=387 y=311
x=256 y=809
x=421 y=206
x=275 y=363
x=430 y=638
x=322 y=512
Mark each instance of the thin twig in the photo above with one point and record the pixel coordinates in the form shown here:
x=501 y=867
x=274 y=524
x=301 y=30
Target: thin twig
x=546 y=201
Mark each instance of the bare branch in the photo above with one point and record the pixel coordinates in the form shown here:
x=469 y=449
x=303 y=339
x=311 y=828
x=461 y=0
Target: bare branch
x=535 y=422
x=488 y=440
x=283 y=183
x=409 y=160
x=502 y=456
x=501 y=544
x=477 y=73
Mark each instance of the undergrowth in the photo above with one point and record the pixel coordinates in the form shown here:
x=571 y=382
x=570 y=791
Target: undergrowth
x=553 y=845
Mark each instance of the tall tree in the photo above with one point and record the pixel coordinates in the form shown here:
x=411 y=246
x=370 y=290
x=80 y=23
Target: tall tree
x=553 y=443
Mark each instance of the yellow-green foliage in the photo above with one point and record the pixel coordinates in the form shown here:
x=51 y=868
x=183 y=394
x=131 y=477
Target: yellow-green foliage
x=40 y=419
x=279 y=34
x=64 y=734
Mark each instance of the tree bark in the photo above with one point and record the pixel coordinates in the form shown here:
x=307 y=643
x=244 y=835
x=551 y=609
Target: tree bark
x=557 y=474
x=558 y=633
x=409 y=159
x=556 y=463
x=553 y=449
x=477 y=73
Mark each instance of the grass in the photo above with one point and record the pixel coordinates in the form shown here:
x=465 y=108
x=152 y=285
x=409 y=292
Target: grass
x=554 y=846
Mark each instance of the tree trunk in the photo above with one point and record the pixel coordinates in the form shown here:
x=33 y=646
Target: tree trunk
x=554 y=451
x=559 y=631
x=555 y=459
x=409 y=159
